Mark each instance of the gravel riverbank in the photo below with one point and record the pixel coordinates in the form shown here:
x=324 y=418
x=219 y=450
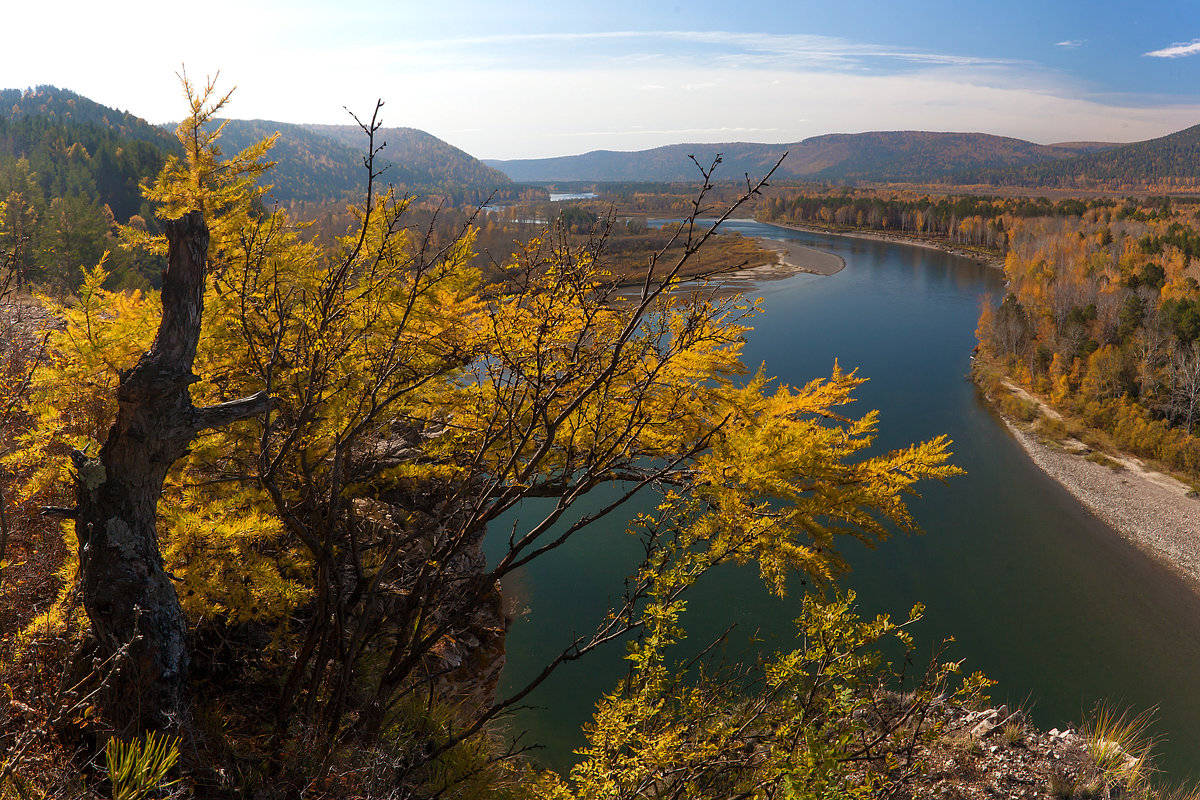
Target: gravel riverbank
x=796 y=257
x=1157 y=513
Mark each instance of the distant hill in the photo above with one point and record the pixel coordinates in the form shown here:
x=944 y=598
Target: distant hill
x=1171 y=161
x=323 y=162
x=910 y=156
x=310 y=167
x=418 y=158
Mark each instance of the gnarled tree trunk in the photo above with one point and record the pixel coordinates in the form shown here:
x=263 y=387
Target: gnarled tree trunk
x=129 y=599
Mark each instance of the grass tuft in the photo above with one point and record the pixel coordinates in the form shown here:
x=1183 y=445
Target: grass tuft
x=1121 y=744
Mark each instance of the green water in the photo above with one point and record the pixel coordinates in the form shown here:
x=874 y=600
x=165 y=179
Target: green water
x=1039 y=594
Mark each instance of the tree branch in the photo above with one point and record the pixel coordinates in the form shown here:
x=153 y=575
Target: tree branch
x=233 y=411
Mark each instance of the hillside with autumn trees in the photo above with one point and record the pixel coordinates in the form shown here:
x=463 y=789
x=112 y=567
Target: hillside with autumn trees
x=1102 y=317
x=323 y=163
x=1168 y=163
x=1102 y=313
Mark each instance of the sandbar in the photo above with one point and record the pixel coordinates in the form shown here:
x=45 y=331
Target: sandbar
x=988 y=259
x=798 y=258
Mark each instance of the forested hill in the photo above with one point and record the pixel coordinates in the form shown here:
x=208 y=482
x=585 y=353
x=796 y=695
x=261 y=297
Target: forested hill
x=69 y=108
x=909 y=156
x=310 y=167
x=55 y=143
x=1169 y=162
x=418 y=158
x=323 y=162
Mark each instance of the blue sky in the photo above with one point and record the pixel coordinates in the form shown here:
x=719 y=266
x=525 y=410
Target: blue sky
x=525 y=79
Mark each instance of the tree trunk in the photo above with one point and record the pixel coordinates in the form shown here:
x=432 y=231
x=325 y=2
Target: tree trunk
x=129 y=599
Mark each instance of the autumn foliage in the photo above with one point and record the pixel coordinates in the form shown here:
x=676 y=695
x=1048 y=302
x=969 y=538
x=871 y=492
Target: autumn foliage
x=327 y=554
x=1102 y=317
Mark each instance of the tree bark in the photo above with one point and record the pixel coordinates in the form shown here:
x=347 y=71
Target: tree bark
x=129 y=598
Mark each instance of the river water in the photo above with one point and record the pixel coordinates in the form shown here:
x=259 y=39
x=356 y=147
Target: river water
x=1038 y=594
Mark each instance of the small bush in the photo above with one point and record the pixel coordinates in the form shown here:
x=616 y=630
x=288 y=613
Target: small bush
x=1054 y=429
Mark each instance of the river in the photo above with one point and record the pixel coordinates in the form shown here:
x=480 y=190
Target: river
x=1039 y=594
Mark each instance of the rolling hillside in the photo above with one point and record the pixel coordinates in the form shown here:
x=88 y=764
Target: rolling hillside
x=1171 y=161
x=68 y=146
x=322 y=162
x=910 y=156
x=421 y=159
x=68 y=108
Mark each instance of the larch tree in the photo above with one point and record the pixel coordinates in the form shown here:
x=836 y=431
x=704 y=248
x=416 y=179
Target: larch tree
x=129 y=597
x=135 y=613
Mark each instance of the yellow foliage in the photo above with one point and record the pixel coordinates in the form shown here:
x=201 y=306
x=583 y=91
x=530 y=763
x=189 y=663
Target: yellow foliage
x=781 y=482
x=225 y=190
x=230 y=553
x=389 y=367
x=792 y=731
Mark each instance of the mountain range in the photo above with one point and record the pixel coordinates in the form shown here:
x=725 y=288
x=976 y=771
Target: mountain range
x=77 y=147
x=909 y=156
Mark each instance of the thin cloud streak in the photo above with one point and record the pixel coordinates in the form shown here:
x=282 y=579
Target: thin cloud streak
x=750 y=49
x=1177 y=50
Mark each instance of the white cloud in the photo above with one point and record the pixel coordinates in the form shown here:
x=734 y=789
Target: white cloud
x=1177 y=50
x=1071 y=43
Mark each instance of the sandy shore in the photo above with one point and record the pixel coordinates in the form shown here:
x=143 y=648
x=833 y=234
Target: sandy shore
x=798 y=258
x=945 y=247
x=1157 y=513
x=790 y=258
